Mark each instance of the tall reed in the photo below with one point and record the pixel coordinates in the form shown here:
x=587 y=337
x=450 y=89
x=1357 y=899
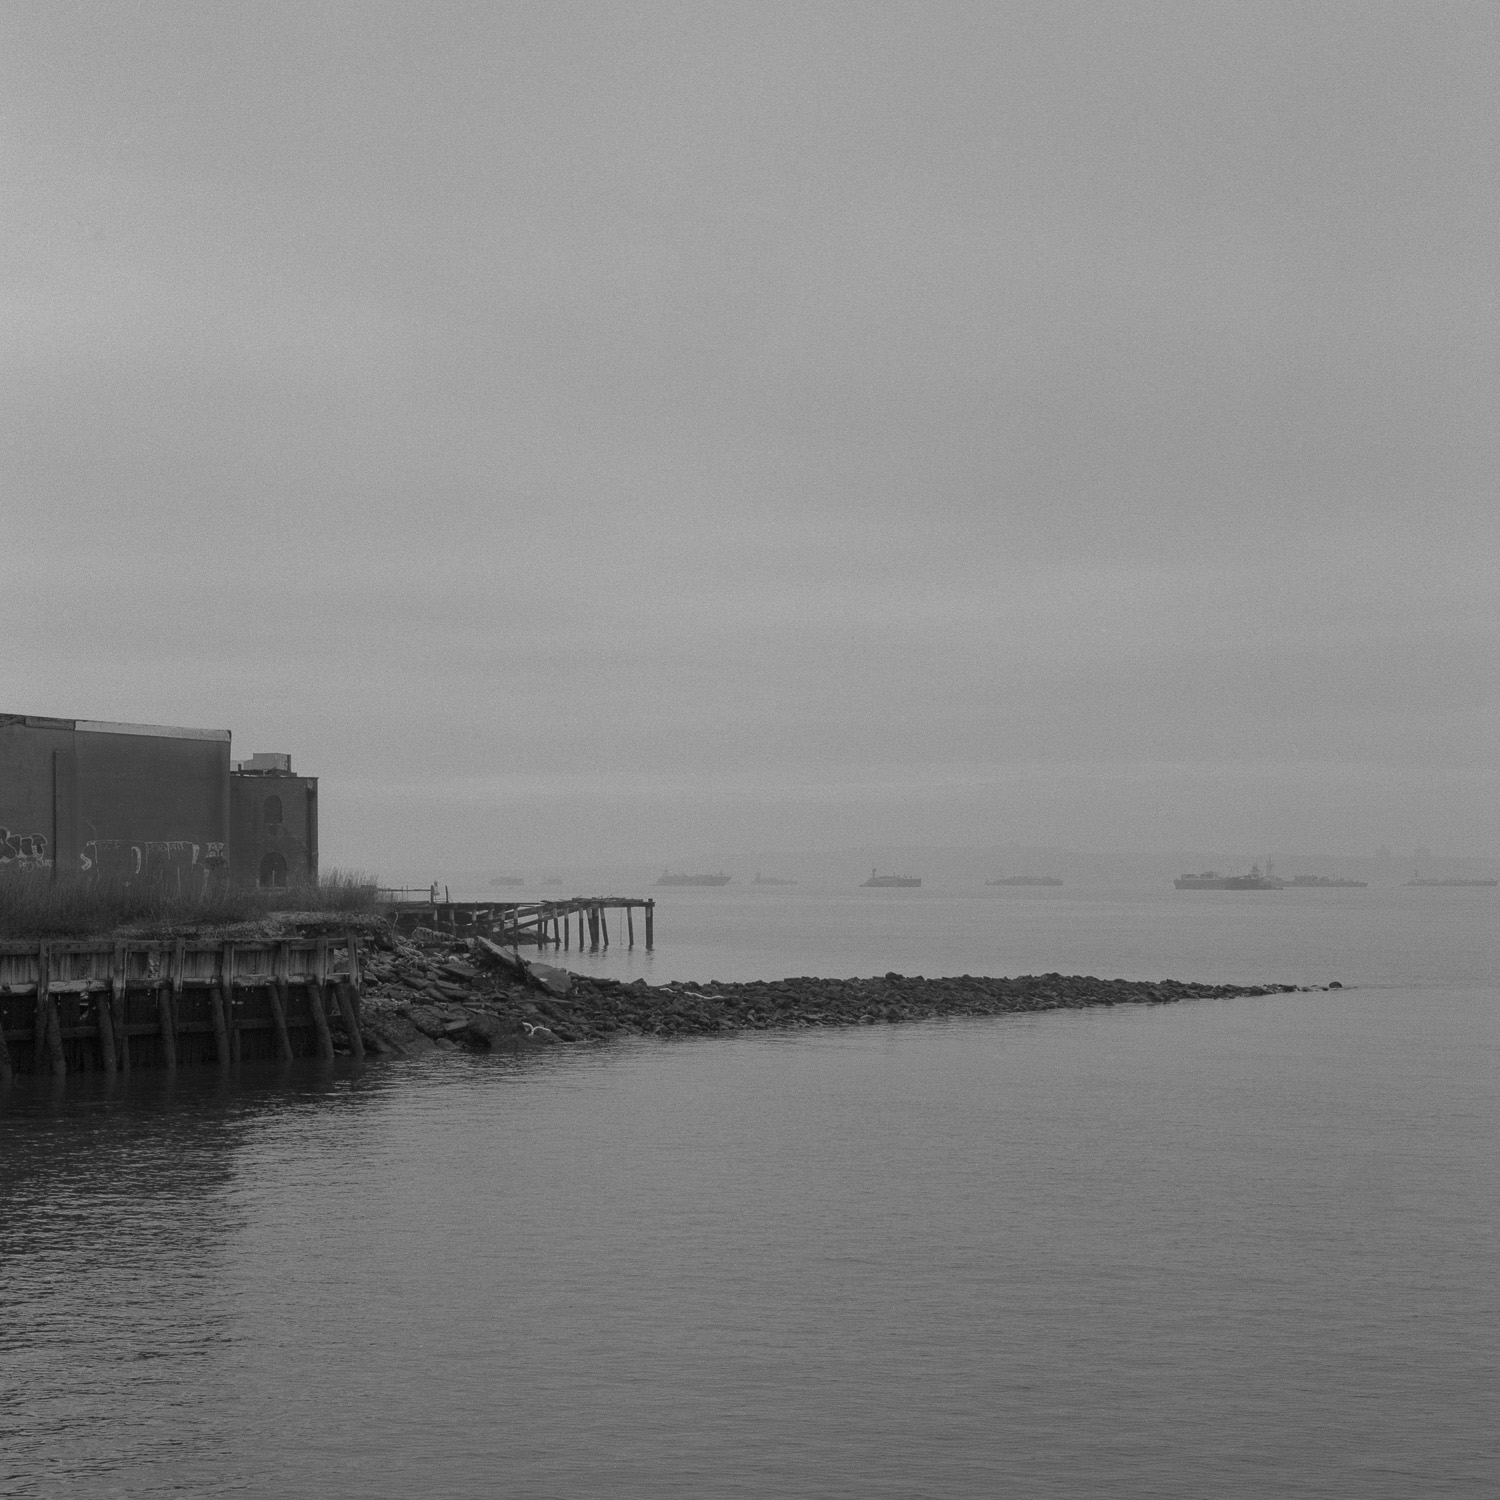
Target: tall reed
x=32 y=904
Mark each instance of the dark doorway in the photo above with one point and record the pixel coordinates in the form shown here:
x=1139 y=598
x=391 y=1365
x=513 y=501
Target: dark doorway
x=273 y=870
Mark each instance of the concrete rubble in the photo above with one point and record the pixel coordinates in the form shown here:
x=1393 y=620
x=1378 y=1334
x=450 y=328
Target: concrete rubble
x=430 y=991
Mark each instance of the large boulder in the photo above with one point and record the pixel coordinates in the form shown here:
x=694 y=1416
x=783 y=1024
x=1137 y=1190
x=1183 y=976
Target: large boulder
x=490 y=1031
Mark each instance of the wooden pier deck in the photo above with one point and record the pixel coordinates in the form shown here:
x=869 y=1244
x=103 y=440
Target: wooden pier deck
x=556 y=924
x=114 y=1006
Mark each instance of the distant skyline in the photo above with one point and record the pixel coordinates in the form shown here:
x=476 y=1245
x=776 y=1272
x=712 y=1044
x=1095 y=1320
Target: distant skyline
x=597 y=433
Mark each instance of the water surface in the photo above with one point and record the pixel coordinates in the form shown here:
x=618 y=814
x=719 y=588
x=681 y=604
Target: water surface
x=1229 y=1248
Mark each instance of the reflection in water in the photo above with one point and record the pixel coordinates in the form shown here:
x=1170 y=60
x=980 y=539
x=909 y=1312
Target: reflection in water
x=117 y=1202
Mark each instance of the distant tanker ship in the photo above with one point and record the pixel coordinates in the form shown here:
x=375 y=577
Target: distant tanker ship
x=890 y=880
x=1211 y=880
x=668 y=878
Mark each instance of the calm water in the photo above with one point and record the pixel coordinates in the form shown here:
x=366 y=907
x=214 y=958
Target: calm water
x=1237 y=1248
x=1382 y=936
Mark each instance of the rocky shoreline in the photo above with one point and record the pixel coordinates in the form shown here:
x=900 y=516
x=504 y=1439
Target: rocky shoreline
x=429 y=991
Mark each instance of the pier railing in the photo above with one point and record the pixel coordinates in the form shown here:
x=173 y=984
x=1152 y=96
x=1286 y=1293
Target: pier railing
x=114 y=1006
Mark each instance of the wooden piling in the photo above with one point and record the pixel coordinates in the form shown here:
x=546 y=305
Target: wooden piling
x=276 y=993
x=344 y=993
x=106 y=1034
x=351 y=946
x=630 y=927
x=231 y=1020
x=604 y=925
x=48 y=1033
x=117 y=1005
x=221 y=1025
x=315 y=1000
x=650 y=913
x=164 y=992
x=348 y=996
x=39 y=1025
x=7 y=1072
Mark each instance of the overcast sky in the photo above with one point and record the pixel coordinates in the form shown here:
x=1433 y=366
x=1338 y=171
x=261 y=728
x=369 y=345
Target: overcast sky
x=587 y=431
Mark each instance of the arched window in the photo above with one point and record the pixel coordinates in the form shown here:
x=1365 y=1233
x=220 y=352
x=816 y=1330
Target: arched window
x=273 y=870
x=272 y=810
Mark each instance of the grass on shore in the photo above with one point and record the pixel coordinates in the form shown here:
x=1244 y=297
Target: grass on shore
x=32 y=905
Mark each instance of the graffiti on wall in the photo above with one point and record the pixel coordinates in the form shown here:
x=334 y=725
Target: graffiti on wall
x=121 y=859
x=127 y=859
x=22 y=848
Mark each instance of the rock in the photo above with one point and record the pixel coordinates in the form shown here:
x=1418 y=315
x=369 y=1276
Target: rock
x=541 y=1036
x=426 y=1021
x=552 y=979
x=399 y=1033
x=512 y=963
x=491 y=1031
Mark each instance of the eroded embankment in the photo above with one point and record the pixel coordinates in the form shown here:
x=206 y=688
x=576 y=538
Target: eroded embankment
x=430 y=991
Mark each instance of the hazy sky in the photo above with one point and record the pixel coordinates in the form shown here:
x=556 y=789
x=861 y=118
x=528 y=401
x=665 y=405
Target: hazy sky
x=579 y=431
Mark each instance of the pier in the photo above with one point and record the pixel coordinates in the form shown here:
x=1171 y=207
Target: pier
x=116 y=1006
x=578 y=920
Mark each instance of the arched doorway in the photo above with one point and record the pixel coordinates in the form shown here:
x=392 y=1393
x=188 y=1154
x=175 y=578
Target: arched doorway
x=273 y=870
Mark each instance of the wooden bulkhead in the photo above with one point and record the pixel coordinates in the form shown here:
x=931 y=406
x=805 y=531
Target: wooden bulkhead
x=82 y=1006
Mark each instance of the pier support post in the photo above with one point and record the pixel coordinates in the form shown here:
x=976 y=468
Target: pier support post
x=603 y=924
x=48 y=1033
x=117 y=1005
x=650 y=913
x=345 y=995
x=348 y=996
x=630 y=926
x=281 y=966
x=315 y=998
x=106 y=1034
x=164 y=1026
x=226 y=972
x=7 y=1072
x=221 y=1025
x=168 y=994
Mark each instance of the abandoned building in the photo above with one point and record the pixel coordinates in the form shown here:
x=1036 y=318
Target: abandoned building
x=273 y=822
x=79 y=797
